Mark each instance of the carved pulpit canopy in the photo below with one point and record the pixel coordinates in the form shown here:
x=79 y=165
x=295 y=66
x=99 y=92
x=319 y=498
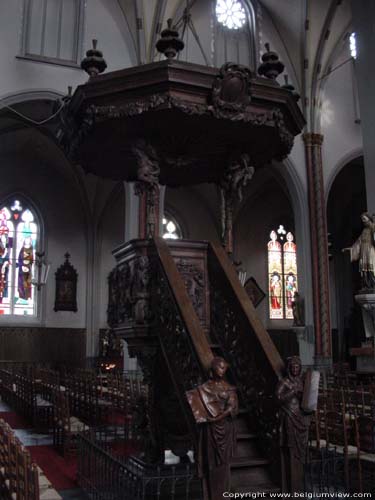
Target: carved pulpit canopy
x=193 y=116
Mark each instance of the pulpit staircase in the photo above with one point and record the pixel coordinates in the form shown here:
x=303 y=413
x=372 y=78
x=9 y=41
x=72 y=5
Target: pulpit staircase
x=231 y=330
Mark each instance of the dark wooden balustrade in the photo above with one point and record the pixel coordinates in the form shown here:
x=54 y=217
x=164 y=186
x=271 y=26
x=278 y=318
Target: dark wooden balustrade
x=194 y=308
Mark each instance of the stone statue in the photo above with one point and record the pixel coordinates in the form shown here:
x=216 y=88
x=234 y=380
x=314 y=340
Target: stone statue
x=214 y=405
x=363 y=250
x=297 y=308
x=294 y=427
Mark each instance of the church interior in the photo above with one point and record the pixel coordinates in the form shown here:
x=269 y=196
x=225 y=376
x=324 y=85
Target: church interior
x=187 y=249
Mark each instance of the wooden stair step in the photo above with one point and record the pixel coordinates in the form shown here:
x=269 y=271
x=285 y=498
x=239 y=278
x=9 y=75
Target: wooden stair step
x=248 y=462
x=255 y=488
x=244 y=435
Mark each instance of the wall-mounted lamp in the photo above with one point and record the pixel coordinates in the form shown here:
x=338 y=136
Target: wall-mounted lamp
x=42 y=270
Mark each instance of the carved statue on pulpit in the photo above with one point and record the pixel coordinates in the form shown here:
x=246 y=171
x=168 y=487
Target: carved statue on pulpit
x=238 y=174
x=214 y=404
x=363 y=250
x=148 y=171
x=294 y=426
x=140 y=289
x=236 y=177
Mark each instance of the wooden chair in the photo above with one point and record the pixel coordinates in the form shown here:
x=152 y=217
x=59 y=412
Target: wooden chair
x=66 y=427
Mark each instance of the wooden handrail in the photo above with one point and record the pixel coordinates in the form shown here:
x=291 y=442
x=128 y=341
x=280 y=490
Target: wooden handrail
x=248 y=309
x=184 y=303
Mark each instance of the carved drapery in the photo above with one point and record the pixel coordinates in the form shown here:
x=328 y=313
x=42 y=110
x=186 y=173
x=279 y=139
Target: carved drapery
x=319 y=247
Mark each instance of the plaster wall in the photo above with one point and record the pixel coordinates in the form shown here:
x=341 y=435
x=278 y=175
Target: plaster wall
x=342 y=135
x=64 y=229
x=103 y=21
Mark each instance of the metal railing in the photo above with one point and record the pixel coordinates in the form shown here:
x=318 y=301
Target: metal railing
x=106 y=473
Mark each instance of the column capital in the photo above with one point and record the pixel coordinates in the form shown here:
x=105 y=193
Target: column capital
x=312 y=139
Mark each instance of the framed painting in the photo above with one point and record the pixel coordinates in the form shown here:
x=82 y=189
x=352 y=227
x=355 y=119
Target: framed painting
x=66 y=287
x=253 y=290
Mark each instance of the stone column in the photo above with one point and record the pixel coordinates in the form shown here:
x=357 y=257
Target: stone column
x=363 y=12
x=319 y=249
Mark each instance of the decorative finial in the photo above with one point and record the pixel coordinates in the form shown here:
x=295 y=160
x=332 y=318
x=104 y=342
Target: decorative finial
x=271 y=66
x=289 y=86
x=170 y=44
x=67 y=256
x=94 y=62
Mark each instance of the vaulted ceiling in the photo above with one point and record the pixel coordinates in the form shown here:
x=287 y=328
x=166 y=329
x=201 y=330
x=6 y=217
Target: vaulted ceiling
x=310 y=32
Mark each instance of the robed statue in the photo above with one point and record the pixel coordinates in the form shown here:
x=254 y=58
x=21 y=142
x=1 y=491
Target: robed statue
x=363 y=250
x=214 y=405
x=294 y=426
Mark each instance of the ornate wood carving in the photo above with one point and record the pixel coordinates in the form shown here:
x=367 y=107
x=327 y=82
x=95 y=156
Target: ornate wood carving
x=193 y=277
x=129 y=292
x=66 y=287
x=231 y=89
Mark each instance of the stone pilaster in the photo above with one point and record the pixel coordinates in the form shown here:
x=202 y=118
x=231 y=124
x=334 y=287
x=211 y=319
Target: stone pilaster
x=319 y=248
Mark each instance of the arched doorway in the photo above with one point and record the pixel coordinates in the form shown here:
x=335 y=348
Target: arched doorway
x=346 y=202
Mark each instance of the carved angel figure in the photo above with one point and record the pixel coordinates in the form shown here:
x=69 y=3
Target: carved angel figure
x=148 y=166
x=363 y=250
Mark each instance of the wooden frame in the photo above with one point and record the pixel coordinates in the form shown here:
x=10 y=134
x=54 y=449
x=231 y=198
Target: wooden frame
x=253 y=290
x=66 y=287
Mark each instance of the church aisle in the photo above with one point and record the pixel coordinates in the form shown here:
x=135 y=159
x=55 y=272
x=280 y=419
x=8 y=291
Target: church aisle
x=60 y=471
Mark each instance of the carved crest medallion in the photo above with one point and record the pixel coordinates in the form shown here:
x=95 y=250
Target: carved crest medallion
x=231 y=89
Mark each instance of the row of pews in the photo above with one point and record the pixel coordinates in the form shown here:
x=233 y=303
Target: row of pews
x=345 y=421
x=70 y=403
x=20 y=478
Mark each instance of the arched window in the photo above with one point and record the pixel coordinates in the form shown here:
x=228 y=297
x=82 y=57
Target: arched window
x=171 y=228
x=234 y=38
x=19 y=235
x=282 y=273
x=218 y=31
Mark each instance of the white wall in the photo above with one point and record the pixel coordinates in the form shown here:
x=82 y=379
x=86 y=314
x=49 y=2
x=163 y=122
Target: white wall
x=103 y=20
x=342 y=136
x=40 y=177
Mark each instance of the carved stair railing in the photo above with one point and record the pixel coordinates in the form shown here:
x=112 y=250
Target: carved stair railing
x=256 y=365
x=181 y=336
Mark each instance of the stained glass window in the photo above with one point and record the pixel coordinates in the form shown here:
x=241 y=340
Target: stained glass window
x=171 y=229
x=353 y=45
x=18 y=239
x=282 y=273
x=231 y=14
